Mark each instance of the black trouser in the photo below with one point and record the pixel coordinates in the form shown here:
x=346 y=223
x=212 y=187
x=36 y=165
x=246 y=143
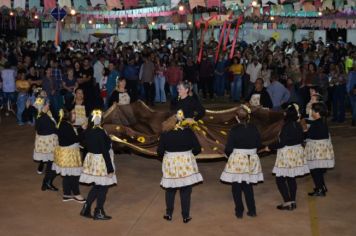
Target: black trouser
x=318 y=177
x=149 y=92
x=71 y=185
x=185 y=193
x=237 y=189
x=207 y=85
x=97 y=192
x=287 y=186
x=132 y=89
x=50 y=174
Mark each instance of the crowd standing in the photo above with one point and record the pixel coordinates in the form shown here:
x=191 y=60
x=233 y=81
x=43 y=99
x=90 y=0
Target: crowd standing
x=153 y=70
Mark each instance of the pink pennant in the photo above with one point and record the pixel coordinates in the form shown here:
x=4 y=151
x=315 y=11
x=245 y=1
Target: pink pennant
x=195 y=3
x=130 y=3
x=114 y=4
x=49 y=4
x=213 y=3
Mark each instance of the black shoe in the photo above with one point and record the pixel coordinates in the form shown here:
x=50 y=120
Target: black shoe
x=86 y=211
x=186 y=220
x=167 y=217
x=251 y=214
x=47 y=186
x=53 y=188
x=317 y=193
x=99 y=214
x=285 y=207
x=325 y=188
x=67 y=199
x=239 y=215
x=294 y=206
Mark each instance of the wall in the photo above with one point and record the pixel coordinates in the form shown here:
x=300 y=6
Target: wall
x=130 y=35
x=124 y=35
x=351 y=36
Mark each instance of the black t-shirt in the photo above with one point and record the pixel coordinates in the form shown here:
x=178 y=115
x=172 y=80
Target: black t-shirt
x=243 y=137
x=178 y=141
x=33 y=77
x=89 y=72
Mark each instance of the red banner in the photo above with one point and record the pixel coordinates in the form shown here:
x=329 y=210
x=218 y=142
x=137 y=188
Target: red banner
x=222 y=33
x=227 y=37
x=239 y=22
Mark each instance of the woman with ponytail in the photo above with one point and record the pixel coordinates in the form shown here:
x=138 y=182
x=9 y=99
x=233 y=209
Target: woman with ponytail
x=98 y=167
x=319 y=151
x=46 y=141
x=243 y=168
x=67 y=159
x=178 y=147
x=290 y=161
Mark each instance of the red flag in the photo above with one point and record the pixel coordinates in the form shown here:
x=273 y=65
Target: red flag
x=239 y=22
x=220 y=40
x=227 y=37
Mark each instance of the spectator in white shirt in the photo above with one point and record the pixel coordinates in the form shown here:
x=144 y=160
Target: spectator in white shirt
x=253 y=70
x=98 y=69
x=8 y=76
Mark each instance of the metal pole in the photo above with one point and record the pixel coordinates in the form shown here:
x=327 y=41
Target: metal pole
x=194 y=30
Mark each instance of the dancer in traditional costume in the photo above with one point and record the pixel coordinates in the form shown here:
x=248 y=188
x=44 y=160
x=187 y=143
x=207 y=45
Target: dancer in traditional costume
x=81 y=111
x=243 y=167
x=67 y=159
x=191 y=107
x=178 y=146
x=290 y=161
x=319 y=151
x=46 y=141
x=98 y=167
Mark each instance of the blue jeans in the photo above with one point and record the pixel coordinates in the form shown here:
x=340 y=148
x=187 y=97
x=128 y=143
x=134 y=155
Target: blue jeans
x=173 y=90
x=159 y=86
x=56 y=102
x=9 y=99
x=236 y=87
x=339 y=95
x=353 y=106
x=21 y=105
x=219 y=85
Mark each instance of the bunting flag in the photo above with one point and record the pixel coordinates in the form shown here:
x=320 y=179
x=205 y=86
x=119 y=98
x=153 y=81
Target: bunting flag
x=50 y=4
x=288 y=9
x=239 y=22
x=20 y=4
x=227 y=37
x=256 y=11
x=269 y=2
x=222 y=33
x=78 y=4
x=318 y=4
x=328 y=4
x=339 y=4
x=213 y=3
x=6 y=3
x=247 y=3
x=34 y=3
x=174 y=3
x=308 y=6
x=162 y=2
x=194 y=3
x=130 y=3
x=97 y=2
x=65 y=3
x=266 y=10
x=114 y=4
x=297 y=6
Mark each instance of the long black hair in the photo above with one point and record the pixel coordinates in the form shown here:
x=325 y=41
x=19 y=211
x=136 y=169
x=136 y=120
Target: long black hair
x=321 y=109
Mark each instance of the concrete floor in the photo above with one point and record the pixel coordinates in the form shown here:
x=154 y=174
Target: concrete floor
x=137 y=202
